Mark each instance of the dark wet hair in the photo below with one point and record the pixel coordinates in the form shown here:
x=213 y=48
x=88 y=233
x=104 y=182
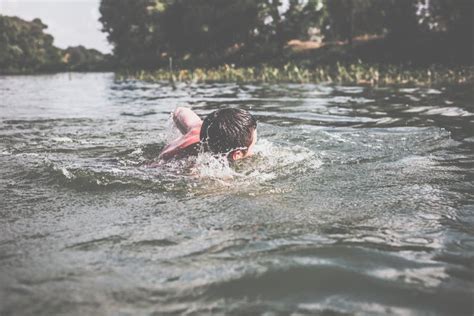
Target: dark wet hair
x=226 y=130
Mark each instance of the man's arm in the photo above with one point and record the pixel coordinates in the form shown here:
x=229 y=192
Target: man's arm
x=189 y=125
x=186 y=120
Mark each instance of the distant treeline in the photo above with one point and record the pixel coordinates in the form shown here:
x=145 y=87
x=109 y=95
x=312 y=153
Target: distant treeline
x=208 y=33
x=26 y=48
x=146 y=34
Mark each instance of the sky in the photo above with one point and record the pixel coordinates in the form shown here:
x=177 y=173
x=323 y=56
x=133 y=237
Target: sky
x=70 y=22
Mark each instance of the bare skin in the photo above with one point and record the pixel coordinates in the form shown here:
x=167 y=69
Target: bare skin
x=189 y=124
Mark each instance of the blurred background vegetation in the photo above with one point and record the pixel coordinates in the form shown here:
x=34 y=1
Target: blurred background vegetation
x=246 y=32
x=25 y=47
x=215 y=34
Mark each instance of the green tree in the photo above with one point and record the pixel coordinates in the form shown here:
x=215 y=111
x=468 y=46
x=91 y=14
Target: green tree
x=82 y=59
x=25 y=47
x=209 y=32
x=133 y=28
x=349 y=18
x=303 y=15
x=209 y=27
x=145 y=32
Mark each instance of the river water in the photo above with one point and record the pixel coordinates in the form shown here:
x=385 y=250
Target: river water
x=358 y=201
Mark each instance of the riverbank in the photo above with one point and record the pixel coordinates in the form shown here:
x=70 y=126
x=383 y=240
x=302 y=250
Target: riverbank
x=357 y=73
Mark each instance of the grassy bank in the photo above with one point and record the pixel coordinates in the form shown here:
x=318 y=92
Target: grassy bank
x=358 y=73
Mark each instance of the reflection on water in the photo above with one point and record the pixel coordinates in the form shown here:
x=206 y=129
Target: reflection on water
x=357 y=200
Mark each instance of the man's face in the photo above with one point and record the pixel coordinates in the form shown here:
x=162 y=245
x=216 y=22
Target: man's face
x=252 y=145
x=239 y=154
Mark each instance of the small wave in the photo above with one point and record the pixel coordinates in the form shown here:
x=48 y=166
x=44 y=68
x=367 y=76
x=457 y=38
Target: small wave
x=449 y=111
x=102 y=178
x=140 y=114
x=62 y=139
x=443 y=111
x=346 y=99
x=66 y=173
x=153 y=243
x=96 y=243
x=433 y=91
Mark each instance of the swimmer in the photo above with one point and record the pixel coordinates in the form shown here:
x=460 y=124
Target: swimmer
x=230 y=132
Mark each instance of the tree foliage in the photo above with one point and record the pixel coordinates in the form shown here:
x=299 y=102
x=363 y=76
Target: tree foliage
x=134 y=29
x=79 y=58
x=146 y=32
x=25 y=46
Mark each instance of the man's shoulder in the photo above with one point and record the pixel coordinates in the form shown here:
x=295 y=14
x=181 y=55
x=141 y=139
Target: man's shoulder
x=184 y=145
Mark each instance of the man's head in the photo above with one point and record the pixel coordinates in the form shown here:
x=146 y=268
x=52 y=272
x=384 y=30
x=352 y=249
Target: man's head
x=229 y=131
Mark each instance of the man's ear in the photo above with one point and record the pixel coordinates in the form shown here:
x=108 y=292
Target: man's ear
x=237 y=154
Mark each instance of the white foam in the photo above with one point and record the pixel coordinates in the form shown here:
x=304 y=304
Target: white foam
x=449 y=111
x=209 y=166
x=62 y=139
x=281 y=160
x=66 y=173
x=137 y=152
x=171 y=131
x=409 y=90
x=116 y=171
x=207 y=173
x=433 y=91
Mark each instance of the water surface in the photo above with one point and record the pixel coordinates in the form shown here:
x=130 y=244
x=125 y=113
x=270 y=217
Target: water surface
x=358 y=201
